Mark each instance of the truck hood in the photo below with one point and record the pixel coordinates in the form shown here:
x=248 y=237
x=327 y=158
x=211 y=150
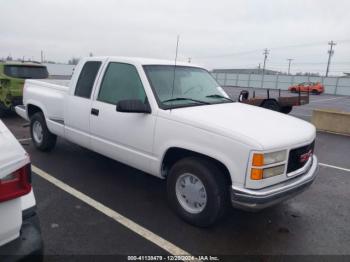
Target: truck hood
x=258 y=127
x=12 y=155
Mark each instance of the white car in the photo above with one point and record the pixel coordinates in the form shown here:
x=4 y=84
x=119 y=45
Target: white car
x=20 y=234
x=175 y=122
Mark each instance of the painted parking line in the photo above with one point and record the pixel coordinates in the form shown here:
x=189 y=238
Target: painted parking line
x=298 y=114
x=302 y=108
x=335 y=167
x=328 y=99
x=24 y=139
x=131 y=225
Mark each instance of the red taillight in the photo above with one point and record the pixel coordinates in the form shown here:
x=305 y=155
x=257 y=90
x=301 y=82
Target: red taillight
x=16 y=184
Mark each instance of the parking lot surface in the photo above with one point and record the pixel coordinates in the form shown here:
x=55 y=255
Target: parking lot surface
x=313 y=223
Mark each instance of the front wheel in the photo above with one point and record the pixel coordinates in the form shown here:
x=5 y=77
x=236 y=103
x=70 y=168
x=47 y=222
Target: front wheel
x=42 y=138
x=197 y=191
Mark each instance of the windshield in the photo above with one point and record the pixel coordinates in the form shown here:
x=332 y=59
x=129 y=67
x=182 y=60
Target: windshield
x=191 y=86
x=22 y=71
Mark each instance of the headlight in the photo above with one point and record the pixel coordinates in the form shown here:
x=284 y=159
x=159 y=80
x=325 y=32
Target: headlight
x=260 y=160
x=261 y=173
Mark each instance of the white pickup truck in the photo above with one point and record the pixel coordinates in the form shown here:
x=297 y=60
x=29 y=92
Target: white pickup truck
x=175 y=122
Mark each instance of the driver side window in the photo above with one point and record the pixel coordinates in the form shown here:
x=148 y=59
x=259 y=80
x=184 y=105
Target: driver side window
x=121 y=82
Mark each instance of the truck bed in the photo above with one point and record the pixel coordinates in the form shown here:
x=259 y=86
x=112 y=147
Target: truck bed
x=49 y=92
x=60 y=82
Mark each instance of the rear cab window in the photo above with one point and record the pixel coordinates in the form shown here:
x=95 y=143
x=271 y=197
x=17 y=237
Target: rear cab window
x=26 y=71
x=87 y=79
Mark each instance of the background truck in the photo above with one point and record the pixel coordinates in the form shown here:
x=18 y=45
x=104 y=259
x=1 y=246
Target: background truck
x=273 y=99
x=175 y=122
x=279 y=103
x=12 y=77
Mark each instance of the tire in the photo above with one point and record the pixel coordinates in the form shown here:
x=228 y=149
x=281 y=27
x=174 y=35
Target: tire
x=44 y=140
x=293 y=90
x=215 y=191
x=272 y=105
x=286 y=109
x=315 y=92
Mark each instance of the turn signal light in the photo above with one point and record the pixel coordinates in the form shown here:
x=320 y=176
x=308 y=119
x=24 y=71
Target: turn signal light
x=258 y=159
x=256 y=174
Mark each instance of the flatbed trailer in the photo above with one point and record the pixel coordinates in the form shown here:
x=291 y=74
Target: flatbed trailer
x=283 y=104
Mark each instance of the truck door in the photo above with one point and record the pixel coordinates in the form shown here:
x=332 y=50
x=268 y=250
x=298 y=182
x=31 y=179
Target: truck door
x=78 y=104
x=126 y=137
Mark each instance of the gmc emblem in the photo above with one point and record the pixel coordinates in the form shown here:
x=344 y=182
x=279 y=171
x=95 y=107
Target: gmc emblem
x=305 y=157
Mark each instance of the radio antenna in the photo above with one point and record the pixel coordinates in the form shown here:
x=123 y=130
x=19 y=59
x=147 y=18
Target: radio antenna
x=177 y=49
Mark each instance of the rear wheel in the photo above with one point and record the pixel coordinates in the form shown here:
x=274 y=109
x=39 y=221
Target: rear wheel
x=286 y=109
x=272 y=105
x=42 y=138
x=315 y=92
x=197 y=191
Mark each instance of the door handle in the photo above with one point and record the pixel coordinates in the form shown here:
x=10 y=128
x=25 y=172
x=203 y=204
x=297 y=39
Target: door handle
x=94 y=111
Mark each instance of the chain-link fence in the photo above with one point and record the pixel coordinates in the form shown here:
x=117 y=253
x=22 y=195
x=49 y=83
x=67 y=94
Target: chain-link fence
x=333 y=85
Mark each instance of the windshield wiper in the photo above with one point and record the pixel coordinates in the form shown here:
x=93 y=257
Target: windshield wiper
x=184 y=98
x=220 y=96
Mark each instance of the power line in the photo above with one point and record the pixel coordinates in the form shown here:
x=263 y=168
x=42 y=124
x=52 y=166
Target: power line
x=330 y=52
x=272 y=48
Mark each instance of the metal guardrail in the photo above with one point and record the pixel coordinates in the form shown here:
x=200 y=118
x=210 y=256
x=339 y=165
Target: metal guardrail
x=333 y=85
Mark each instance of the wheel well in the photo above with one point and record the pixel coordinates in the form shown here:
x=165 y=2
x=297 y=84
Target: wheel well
x=174 y=154
x=32 y=110
x=269 y=100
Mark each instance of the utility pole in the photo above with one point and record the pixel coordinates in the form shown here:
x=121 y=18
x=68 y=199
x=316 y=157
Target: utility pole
x=189 y=60
x=330 y=52
x=289 y=62
x=42 y=56
x=266 y=52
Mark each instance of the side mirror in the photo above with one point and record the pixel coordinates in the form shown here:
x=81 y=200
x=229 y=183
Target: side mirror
x=133 y=106
x=244 y=95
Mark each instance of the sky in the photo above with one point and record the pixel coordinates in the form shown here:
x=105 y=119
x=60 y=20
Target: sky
x=215 y=34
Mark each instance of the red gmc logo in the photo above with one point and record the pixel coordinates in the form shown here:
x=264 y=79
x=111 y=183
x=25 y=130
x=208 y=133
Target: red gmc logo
x=305 y=157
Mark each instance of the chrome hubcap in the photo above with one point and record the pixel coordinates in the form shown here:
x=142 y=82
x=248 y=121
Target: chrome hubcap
x=37 y=132
x=191 y=193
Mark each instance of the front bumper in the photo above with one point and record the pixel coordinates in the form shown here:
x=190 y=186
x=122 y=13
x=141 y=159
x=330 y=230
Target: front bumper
x=28 y=244
x=254 y=200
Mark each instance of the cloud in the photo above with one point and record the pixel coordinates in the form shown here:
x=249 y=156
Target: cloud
x=208 y=29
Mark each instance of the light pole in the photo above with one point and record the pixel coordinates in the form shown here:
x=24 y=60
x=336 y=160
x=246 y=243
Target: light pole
x=330 y=52
x=289 y=62
x=266 y=52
